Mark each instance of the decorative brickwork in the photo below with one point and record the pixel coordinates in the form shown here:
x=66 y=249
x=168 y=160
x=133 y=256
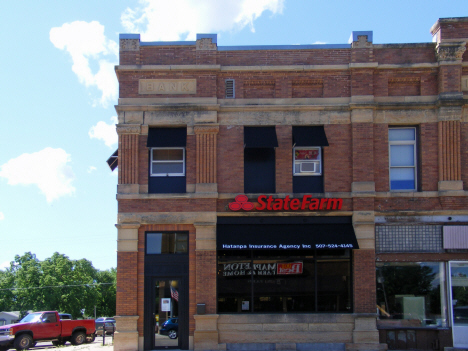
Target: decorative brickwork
x=128 y=159
x=449 y=150
x=206 y=137
x=408 y=238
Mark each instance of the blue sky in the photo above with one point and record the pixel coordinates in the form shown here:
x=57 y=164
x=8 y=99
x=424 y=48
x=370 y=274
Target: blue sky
x=58 y=90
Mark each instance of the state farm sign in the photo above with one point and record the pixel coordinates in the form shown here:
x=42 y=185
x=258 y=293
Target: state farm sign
x=287 y=204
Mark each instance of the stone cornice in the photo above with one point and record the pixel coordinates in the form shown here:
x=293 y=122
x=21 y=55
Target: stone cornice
x=292 y=68
x=128 y=129
x=231 y=196
x=450 y=51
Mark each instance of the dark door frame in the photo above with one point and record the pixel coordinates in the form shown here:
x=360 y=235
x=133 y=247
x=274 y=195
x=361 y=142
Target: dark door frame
x=148 y=324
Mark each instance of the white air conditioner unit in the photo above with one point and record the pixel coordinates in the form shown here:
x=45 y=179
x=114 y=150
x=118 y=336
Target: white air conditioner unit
x=309 y=167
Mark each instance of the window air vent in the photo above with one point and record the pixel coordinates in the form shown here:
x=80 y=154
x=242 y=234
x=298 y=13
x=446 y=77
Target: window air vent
x=229 y=88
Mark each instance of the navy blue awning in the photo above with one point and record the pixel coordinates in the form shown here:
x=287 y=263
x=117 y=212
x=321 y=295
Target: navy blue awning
x=279 y=233
x=167 y=137
x=113 y=161
x=260 y=137
x=309 y=136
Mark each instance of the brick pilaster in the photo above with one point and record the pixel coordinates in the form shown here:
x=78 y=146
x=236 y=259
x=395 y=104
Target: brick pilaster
x=449 y=151
x=206 y=171
x=128 y=153
x=364 y=281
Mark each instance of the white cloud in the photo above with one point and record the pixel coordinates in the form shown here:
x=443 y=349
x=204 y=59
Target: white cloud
x=105 y=132
x=4 y=265
x=2 y=216
x=48 y=169
x=183 y=19
x=84 y=42
x=91 y=169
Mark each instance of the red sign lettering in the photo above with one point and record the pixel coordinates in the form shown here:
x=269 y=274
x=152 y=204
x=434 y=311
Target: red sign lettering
x=270 y=204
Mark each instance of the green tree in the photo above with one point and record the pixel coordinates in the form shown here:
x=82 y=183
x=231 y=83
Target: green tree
x=105 y=305
x=57 y=283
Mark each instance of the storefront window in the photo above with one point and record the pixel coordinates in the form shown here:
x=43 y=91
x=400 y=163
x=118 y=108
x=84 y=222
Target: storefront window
x=411 y=294
x=287 y=281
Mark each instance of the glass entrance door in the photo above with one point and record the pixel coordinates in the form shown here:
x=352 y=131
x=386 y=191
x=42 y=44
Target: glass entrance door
x=459 y=303
x=166 y=314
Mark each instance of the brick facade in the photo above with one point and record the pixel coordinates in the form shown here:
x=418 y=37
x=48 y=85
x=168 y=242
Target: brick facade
x=356 y=92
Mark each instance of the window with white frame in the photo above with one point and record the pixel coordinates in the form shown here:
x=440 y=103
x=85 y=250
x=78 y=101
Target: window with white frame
x=402 y=158
x=167 y=161
x=307 y=161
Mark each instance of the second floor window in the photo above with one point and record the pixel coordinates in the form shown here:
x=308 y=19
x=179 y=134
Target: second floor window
x=307 y=161
x=402 y=158
x=167 y=162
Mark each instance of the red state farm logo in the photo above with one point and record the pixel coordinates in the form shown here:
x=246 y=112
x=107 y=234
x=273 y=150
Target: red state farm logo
x=241 y=202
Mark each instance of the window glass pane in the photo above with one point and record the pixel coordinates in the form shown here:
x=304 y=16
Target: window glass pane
x=234 y=282
x=284 y=282
x=167 y=168
x=181 y=241
x=401 y=134
x=306 y=154
x=402 y=179
x=334 y=286
x=153 y=243
x=411 y=294
x=168 y=154
x=166 y=243
x=401 y=155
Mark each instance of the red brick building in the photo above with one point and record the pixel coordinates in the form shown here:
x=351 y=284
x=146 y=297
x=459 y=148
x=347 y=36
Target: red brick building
x=293 y=197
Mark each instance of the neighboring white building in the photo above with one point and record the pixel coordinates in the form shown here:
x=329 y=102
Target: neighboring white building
x=9 y=317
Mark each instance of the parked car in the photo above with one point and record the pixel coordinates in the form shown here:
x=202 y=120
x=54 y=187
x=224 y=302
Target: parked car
x=108 y=325
x=170 y=328
x=42 y=326
x=65 y=316
x=106 y=319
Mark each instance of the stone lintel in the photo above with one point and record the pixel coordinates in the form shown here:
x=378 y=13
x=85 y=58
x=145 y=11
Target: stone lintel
x=362 y=99
x=363 y=65
x=464 y=83
x=128 y=129
x=205 y=245
x=128 y=188
x=364 y=217
x=364 y=231
x=450 y=185
x=188 y=118
x=128 y=225
x=166 y=217
x=206 y=322
x=127 y=245
x=206 y=128
x=126 y=323
x=366 y=244
x=360 y=115
x=207 y=188
x=132 y=117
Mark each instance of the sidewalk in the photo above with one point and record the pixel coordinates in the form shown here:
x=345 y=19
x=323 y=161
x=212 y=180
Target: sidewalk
x=94 y=346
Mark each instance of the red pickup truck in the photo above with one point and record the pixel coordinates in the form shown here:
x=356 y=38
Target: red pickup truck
x=46 y=325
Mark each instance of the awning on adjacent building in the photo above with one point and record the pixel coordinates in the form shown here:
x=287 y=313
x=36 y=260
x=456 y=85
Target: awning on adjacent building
x=113 y=161
x=285 y=233
x=260 y=137
x=309 y=136
x=167 y=137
